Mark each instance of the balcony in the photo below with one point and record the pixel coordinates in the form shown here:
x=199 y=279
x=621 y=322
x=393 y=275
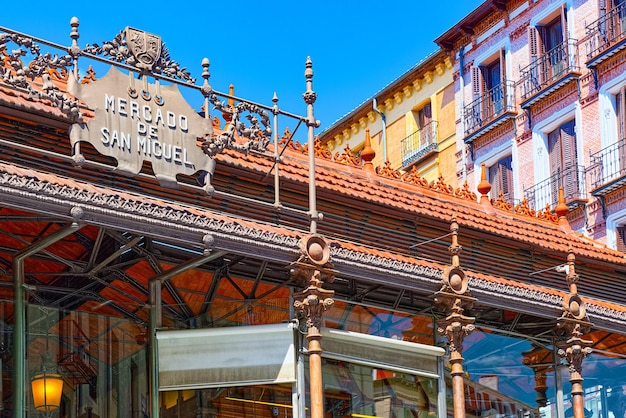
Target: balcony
x=549 y=72
x=608 y=169
x=419 y=144
x=606 y=36
x=489 y=111
x=573 y=180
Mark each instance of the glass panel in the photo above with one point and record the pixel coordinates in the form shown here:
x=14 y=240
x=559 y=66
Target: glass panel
x=272 y=401
x=355 y=390
x=101 y=359
x=380 y=322
x=505 y=376
x=242 y=302
x=6 y=357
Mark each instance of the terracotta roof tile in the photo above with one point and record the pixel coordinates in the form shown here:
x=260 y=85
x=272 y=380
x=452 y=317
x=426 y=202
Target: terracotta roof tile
x=425 y=202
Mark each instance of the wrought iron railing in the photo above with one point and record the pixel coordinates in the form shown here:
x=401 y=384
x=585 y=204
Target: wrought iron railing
x=489 y=106
x=606 y=32
x=607 y=165
x=544 y=193
x=419 y=143
x=549 y=68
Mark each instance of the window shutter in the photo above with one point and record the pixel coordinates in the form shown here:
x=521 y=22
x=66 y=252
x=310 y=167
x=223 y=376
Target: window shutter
x=564 y=23
x=570 y=174
x=621 y=238
x=495 y=180
x=568 y=140
x=478 y=89
x=501 y=178
x=502 y=65
x=507 y=176
x=478 y=82
x=426 y=115
x=506 y=101
x=537 y=50
x=620 y=113
x=554 y=151
x=533 y=43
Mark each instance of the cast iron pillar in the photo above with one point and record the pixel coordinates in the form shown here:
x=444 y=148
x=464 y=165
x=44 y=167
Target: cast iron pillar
x=537 y=359
x=572 y=325
x=313 y=269
x=453 y=298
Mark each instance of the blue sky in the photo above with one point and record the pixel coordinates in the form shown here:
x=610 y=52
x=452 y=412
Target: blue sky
x=261 y=47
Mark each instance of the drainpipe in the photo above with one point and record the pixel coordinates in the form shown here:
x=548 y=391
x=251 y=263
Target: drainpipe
x=154 y=289
x=462 y=92
x=19 y=344
x=384 y=127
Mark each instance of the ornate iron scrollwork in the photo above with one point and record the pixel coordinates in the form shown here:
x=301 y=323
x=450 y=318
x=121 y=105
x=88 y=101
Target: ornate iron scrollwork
x=14 y=72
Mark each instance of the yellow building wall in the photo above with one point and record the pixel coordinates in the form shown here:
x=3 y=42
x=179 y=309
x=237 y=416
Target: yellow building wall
x=400 y=106
x=447 y=135
x=396 y=132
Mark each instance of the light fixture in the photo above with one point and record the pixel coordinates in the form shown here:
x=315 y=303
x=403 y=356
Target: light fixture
x=47 y=386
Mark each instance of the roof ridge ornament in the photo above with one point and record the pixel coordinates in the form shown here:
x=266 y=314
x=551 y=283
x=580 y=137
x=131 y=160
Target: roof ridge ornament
x=14 y=72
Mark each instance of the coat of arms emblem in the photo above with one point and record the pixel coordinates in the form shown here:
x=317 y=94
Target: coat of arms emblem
x=145 y=47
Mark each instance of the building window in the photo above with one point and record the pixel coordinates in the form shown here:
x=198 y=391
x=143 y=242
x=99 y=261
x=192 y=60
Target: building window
x=544 y=37
x=424 y=116
x=563 y=160
x=488 y=88
x=423 y=137
x=616 y=230
x=492 y=92
x=620 y=238
x=501 y=179
x=548 y=50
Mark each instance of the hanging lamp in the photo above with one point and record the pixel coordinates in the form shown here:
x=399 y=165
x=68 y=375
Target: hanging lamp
x=47 y=385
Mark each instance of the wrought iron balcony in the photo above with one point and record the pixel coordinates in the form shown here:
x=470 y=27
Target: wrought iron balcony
x=490 y=110
x=606 y=36
x=573 y=180
x=419 y=144
x=549 y=72
x=608 y=169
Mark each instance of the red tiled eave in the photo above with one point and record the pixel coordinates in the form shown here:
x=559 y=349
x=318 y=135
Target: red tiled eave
x=355 y=184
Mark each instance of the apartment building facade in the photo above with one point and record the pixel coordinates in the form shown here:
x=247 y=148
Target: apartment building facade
x=539 y=101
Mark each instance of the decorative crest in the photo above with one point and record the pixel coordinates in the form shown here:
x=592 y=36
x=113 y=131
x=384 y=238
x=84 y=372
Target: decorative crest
x=143 y=51
x=145 y=47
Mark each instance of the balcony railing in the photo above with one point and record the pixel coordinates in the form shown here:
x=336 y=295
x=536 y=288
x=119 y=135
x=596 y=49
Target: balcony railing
x=547 y=70
x=608 y=167
x=547 y=192
x=419 y=143
x=489 y=107
x=606 y=34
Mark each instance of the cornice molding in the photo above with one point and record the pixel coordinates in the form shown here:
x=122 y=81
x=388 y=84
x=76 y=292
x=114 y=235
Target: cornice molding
x=141 y=216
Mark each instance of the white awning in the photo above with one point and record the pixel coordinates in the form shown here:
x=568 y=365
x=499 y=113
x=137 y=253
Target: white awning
x=221 y=357
x=380 y=352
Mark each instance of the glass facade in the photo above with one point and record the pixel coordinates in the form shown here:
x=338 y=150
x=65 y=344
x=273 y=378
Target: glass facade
x=104 y=362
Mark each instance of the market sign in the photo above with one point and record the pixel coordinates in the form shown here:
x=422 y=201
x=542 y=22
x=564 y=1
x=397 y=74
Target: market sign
x=136 y=121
